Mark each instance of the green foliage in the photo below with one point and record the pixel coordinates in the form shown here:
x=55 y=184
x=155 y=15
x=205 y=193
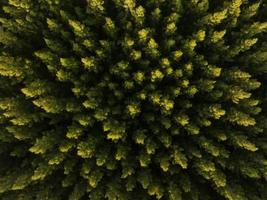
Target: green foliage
x=131 y=99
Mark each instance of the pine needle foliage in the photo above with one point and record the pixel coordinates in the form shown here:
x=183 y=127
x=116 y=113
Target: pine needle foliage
x=133 y=99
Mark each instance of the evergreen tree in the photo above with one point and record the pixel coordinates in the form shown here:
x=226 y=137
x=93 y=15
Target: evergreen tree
x=132 y=99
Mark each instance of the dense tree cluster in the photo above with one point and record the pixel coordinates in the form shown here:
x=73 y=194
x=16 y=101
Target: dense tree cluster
x=133 y=99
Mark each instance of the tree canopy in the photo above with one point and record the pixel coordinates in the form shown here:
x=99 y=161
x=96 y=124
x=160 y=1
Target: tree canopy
x=133 y=99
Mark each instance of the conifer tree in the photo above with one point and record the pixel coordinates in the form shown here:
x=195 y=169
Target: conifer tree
x=132 y=99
